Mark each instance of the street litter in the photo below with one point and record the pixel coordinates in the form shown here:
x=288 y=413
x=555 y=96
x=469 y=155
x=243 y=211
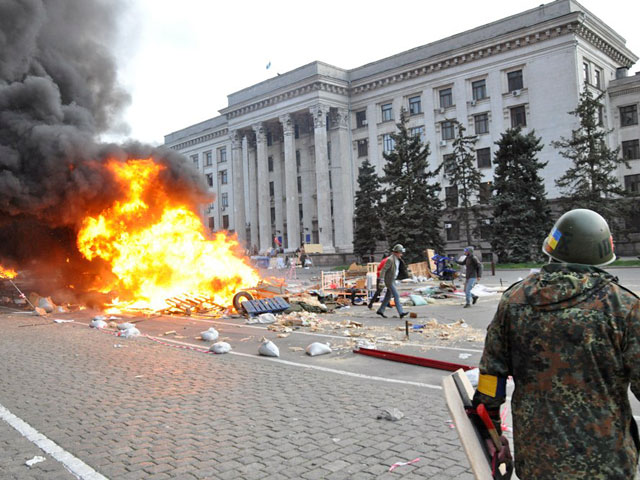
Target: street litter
x=34 y=460
x=464 y=355
x=98 y=322
x=125 y=326
x=402 y=464
x=59 y=320
x=129 y=332
x=269 y=349
x=220 y=347
x=264 y=318
x=210 y=335
x=317 y=348
x=392 y=414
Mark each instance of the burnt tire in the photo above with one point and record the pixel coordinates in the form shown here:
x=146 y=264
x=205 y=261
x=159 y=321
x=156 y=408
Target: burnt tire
x=240 y=297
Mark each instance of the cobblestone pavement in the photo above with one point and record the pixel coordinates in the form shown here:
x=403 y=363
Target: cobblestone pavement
x=145 y=410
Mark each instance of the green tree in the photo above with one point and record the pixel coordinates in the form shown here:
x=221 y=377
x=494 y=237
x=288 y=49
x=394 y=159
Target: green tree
x=412 y=206
x=368 y=229
x=591 y=181
x=521 y=214
x=461 y=171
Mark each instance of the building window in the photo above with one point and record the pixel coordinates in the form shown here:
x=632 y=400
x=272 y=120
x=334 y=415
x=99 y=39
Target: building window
x=329 y=152
x=272 y=190
x=481 y=123
x=363 y=148
x=479 y=89
x=388 y=143
x=298 y=161
x=417 y=132
x=484 y=193
x=453 y=230
x=518 y=117
x=387 y=112
x=269 y=139
x=194 y=159
x=632 y=183
x=270 y=163
x=224 y=200
x=296 y=131
x=222 y=154
x=485 y=234
x=448 y=130
x=300 y=211
x=631 y=150
x=208 y=158
x=628 y=115
x=484 y=157
x=212 y=223
x=451 y=196
x=446 y=98
x=514 y=79
x=299 y=185
x=597 y=78
x=210 y=179
x=361 y=119
x=601 y=116
x=223 y=177
x=225 y=222
x=273 y=215
x=415 y=106
x=585 y=72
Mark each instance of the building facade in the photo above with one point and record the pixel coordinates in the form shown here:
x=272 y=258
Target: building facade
x=283 y=156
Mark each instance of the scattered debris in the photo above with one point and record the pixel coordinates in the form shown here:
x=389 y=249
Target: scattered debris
x=210 y=335
x=269 y=349
x=59 y=320
x=34 y=460
x=392 y=414
x=317 y=348
x=220 y=347
x=129 y=332
x=402 y=464
x=98 y=322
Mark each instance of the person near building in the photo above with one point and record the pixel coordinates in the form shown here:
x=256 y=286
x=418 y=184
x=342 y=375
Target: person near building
x=393 y=269
x=473 y=271
x=379 y=283
x=570 y=338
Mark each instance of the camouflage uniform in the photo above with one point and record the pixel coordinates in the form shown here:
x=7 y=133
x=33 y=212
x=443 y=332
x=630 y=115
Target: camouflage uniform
x=570 y=337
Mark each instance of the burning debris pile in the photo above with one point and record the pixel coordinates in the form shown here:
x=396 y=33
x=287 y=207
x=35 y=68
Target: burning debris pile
x=90 y=222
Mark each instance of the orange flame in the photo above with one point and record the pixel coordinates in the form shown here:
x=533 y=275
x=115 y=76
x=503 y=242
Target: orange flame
x=157 y=247
x=7 y=272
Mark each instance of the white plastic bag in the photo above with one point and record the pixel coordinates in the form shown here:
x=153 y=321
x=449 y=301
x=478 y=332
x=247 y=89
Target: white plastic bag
x=98 y=322
x=210 y=335
x=125 y=326
x=266 y=318
x=269 y=349
x=220 y=347
x=317 y=348
x=129 y=332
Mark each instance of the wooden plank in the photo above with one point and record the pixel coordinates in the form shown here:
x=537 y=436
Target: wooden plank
x=469 y=437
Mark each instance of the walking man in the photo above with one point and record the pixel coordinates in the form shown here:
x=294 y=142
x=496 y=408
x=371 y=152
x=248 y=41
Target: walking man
x=379 y=283
x=394 y=268
x=473 y=271
x=570 y=338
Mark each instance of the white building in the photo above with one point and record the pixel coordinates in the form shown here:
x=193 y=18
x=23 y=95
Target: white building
x=283 y=156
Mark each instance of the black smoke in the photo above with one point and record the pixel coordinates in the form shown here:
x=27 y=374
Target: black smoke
x=59 y=92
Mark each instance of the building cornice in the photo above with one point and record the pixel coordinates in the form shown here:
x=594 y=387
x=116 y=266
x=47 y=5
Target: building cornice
x=605 y=47
x=314 y=86
x=201 y=139
x=624 y=91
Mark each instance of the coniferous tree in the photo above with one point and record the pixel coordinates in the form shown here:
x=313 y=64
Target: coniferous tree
x=368 y=228
x=591 y=181
x=412 y=207
x=521 y=214
x=461 y=171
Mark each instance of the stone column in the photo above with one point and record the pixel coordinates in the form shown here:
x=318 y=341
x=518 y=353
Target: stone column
x=253 y=197
x=343 y=188
x=291 y=184
x=264 y=204
x=239 y=218
x=245 y=186
x=319 y=113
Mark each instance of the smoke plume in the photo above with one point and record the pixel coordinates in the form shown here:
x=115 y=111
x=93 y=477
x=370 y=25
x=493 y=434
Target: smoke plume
x=58 y=92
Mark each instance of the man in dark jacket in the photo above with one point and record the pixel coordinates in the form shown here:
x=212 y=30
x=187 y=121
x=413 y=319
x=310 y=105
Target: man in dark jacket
x=473 y=271
x=570 y=338
x=394 y=268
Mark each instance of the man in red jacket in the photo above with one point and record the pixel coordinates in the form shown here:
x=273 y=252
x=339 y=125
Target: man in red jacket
x=379 y=283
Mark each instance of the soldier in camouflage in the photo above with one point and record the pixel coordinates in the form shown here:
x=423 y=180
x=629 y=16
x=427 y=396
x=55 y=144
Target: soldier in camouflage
x=570 y=338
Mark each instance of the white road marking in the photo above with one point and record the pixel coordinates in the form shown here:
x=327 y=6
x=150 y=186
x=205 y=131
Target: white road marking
x=76 y=466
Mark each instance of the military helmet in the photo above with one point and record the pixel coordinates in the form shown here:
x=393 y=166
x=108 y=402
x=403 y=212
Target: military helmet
x=580 y=236
x=398 y=248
